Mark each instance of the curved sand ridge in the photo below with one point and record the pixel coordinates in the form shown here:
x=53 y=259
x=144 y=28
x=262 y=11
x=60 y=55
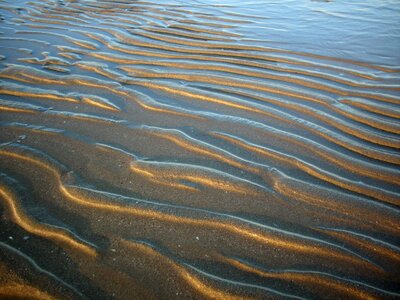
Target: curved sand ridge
x=155 y=150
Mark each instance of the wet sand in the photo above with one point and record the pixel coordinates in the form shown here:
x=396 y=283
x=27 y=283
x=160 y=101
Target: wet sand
x=199 y=151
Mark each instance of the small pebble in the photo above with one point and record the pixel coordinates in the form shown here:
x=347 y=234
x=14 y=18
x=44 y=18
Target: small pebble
x=21 y=138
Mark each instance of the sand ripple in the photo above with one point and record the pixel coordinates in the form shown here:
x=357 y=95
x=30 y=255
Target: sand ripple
x=155 y=150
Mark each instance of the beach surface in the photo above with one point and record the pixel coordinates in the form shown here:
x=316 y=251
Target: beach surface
x=199 y=149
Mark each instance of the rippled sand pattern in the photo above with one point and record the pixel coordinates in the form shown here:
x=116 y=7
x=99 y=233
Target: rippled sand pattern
x=154 y=150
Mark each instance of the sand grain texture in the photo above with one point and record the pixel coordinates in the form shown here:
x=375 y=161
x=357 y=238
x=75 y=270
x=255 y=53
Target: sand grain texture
x=199 y=151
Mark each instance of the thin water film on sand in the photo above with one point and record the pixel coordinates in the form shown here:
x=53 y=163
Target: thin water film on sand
x=199 y=149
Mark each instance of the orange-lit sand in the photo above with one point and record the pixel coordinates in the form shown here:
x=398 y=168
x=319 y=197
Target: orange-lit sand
x=198 y=151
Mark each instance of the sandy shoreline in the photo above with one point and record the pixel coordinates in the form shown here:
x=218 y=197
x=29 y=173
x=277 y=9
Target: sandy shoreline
x=172 y=151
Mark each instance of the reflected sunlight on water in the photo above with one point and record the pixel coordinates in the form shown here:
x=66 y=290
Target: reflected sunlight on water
x=199 y=149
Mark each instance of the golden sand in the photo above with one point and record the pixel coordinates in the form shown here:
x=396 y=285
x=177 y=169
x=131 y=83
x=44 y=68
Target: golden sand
x=167 y=151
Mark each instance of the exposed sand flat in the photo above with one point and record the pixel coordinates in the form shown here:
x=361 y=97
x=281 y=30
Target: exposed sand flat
x=199 y=150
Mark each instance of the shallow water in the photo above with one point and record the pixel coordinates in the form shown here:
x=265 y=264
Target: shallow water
x=187 y=149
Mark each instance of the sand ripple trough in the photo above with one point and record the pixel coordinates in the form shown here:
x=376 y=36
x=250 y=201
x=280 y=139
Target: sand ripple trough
x=199 y=151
